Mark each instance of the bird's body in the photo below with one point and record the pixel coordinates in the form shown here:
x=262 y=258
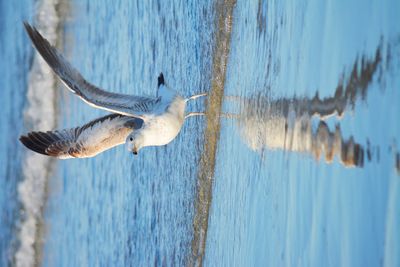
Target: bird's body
x=162 y=128
x=138 y=121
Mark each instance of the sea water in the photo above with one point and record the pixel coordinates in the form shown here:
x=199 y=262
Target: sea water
x=305 y=165
x=285 y=191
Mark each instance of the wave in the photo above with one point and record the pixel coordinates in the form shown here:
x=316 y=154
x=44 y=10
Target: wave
x=40 y=114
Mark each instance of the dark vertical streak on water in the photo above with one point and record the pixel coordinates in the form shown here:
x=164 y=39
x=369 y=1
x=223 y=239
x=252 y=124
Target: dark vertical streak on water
x=224 y=11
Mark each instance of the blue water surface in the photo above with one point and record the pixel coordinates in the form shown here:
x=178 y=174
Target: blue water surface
x=15 y=56
x=118 y=209
x=271 y=206
x=280 y=208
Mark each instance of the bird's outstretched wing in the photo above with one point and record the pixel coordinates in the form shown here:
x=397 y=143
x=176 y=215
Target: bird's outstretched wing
x=129 y=105
x=83 y=142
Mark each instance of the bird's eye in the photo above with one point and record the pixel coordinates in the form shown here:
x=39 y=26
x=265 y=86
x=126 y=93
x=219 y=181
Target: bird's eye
x=131 y=139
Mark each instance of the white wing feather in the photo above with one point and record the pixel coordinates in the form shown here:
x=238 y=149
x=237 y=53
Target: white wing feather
x=82 y=142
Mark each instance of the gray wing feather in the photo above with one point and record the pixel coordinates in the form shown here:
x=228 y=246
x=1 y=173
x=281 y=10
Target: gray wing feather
x=82 y=142
x=135 y=106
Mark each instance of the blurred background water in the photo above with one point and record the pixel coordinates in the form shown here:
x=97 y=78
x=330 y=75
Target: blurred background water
x=299 y=170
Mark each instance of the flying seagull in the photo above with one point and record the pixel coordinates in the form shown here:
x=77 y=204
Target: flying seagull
x=137 y=121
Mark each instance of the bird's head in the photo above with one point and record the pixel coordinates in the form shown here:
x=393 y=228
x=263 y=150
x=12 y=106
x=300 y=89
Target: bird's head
x=134 y=142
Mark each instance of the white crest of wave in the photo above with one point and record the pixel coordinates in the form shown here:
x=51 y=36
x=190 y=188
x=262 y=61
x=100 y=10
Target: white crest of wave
x=40 y=114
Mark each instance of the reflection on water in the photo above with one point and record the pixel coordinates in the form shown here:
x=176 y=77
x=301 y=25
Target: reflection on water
x=296 y=134
x=298 y=124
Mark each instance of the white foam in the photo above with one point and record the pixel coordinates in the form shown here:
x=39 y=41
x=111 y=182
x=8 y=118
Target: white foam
x=40 y=114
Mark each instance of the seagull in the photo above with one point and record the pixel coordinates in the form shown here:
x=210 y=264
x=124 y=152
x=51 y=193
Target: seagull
x=137 y=121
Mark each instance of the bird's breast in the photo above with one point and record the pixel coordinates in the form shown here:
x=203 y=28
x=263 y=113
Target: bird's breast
x=163 y=129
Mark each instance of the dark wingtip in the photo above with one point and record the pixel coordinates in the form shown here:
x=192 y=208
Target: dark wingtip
x=24 y=140
x=160 y=80
x=34 y=35
x=41 y=44
x=33 y=145
x=29 y=29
